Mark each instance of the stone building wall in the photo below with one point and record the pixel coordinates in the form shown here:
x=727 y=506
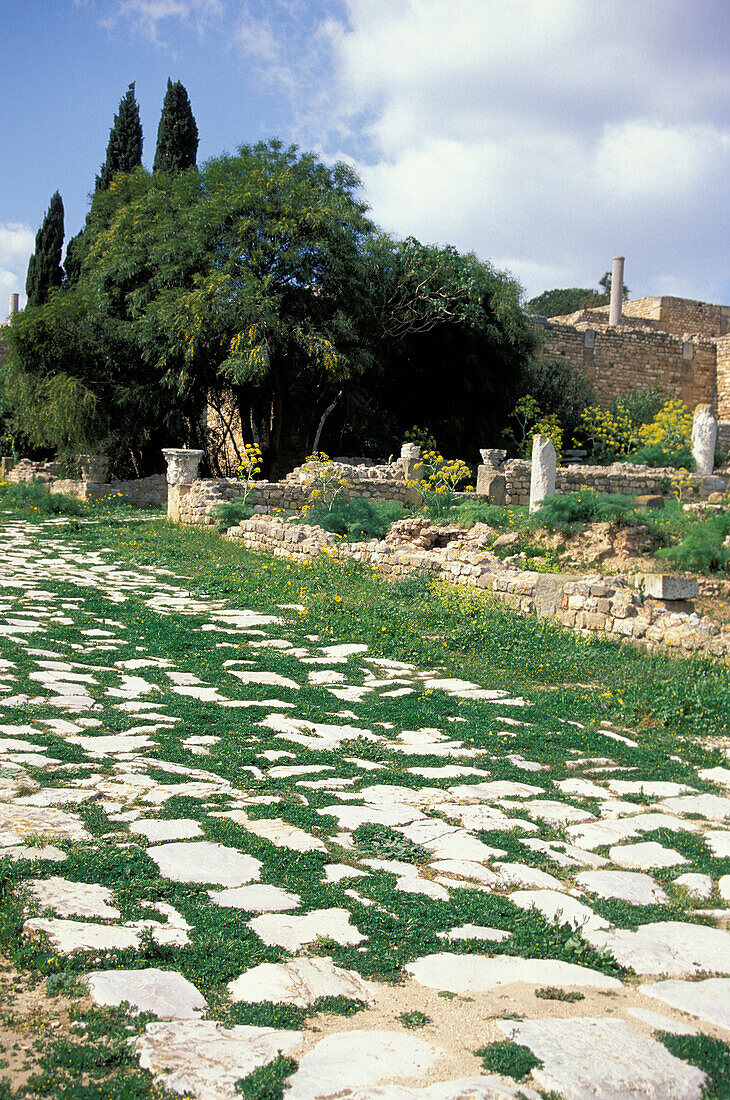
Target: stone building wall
x=723 y=379
x=592 y=604
x=617 y=360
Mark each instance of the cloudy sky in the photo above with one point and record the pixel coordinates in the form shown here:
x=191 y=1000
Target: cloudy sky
x=545 y=135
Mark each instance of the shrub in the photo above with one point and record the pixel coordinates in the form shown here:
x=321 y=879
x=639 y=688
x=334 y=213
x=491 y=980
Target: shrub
x=671 y=428
x=607 y=435
x=656 y=456
x=566 y=512
x=509 y=1059
x=357 y=519
x=36 y=496
x=702 y=547
x=641 y=406
x=230 y=512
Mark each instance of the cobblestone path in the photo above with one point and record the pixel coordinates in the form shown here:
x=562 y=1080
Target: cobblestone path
x=221 y=820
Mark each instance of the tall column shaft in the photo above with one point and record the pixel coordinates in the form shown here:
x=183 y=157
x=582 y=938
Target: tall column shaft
x=617 y=291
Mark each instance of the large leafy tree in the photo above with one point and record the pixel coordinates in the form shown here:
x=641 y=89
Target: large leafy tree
x=44 y=266
x=177 y=134
x=124 y=150
x=258 y=283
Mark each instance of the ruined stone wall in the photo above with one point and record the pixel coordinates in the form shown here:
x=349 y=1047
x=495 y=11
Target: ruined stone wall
x=591 y=604
x=723 y=377
x=618 y=360
x=678 y=316
x=621 y=477
x=151 y=491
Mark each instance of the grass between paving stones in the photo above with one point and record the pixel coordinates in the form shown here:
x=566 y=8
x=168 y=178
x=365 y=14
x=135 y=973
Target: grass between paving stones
x=267 y=1082
x=508 y=1058
x=430 y=625
x=712 y=1056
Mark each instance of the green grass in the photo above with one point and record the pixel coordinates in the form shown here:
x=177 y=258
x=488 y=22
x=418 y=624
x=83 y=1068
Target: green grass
x=509 y=1059
x=712 y=1056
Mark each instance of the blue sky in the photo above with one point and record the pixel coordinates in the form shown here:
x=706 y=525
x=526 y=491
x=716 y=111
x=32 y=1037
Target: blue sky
x=545 y=135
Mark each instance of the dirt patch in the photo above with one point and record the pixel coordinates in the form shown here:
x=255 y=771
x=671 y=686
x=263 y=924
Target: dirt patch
x=30 y=1020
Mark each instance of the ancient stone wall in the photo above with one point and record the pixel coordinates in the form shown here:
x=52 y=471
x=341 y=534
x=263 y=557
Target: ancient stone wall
x=622 y=477
x=150 y=491
x=591 y=604
x=617 y=360
x=723 y=377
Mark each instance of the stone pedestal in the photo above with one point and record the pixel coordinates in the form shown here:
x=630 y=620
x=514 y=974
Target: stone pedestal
x=410 y=454
x=491 y=484
x=704 y=438
x=542 y=473
x=182 y=471
x=93 y=468
x=493 y=456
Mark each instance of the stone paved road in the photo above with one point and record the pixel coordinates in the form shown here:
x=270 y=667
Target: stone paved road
x=218 y=812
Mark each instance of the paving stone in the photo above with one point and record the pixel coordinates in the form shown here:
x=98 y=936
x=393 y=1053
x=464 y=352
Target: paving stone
x=520 y=874
x=161 y=829
x=723 y=885
x=468 y=1088
x=711 y=806
x=630 y=886
x=475 y=973
x=600 y=1059
x=21 y=851
x=594 y=834
x=294 y=932
x=560 y=907
x=565 y=855
x=17 y=823
x=646 y=855
x=716 y=775
x=667 y=947
x=697 y=886
x=204 y=861
x=300 y=982
x=73 y=899
x=709 y=1000
x=72 y=935
x=661 y=1023
x=359 y=1059
x=201 y=1058
x=718 y=841
x=163 y=992
x=278 y=832
x=257 y=898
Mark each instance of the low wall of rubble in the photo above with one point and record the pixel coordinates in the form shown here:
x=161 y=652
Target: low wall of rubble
x=621 y=477
x=291 y=494
x=144 y=490
x=592 y=604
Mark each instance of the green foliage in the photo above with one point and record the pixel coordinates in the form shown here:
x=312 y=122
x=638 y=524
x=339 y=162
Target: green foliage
x=34 y=496
x=640 y=405
x=414 y=1019
x=559 y=389
x=712 y=1056
x=380 y=842
x=44 y=266
x=556 y=303
x=567 y=511
x=267 y=1082
x=357 y=519
x=702 y=546
x=555 y=993
x=177 y=134
x=124 y=150
x=659 y=457
x=509 y=1059
x=229 y=513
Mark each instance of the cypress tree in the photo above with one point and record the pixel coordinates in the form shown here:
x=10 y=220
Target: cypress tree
x=44 y=266
x=124 y=151
x=177 y=134
x=72 y=263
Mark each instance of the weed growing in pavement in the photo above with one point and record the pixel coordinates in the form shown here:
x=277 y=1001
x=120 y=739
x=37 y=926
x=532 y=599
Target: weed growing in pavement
x=509 y=1059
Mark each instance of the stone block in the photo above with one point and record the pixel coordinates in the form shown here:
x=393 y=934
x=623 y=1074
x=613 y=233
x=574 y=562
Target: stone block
x=649 y=500
x=542 y=471
x=492 y=485
x=549 y=594
x=661 y=586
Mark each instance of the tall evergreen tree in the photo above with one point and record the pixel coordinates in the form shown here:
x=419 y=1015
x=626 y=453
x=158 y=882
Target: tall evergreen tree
x=44 y=266
x=177 y=134
x=124 y=151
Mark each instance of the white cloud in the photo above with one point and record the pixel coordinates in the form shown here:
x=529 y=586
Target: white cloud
x=546 y=135
x=17 y=241
x=145 y=17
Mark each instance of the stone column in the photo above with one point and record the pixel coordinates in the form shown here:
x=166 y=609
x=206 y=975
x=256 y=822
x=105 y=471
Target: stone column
x=182 y=471
x=704 y=438
x=617 y=291
x=542 y=473
x=14 y=301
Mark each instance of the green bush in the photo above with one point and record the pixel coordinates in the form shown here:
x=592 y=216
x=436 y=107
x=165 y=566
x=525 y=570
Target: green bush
x=230 y=512
x=658 y=456
x=568 y=511
x=641 y=406
x=469 y=512
x=509 y=1059
x=35 y=496
x=357 y=519
x=702 y=547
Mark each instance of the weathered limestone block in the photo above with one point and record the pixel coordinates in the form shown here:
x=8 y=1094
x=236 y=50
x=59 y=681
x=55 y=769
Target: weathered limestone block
x=704 y=438
x=659 y=586
x=492 y=485
x=542 y=474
